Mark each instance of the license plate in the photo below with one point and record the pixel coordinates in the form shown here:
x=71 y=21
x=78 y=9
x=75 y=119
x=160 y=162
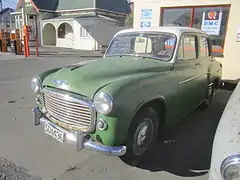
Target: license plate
x=55 y=133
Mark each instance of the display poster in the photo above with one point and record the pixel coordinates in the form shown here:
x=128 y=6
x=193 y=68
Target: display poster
x=211 y=22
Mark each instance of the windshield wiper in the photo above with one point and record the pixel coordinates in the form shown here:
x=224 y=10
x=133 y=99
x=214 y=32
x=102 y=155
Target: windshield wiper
x=152 y=57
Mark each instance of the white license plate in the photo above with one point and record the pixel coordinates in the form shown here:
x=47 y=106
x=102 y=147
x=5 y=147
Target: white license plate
x=55 y=133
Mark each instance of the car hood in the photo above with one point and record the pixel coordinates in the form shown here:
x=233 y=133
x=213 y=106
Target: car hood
x=88 y=77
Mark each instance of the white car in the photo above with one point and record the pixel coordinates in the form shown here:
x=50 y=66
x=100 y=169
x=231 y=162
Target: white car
x=225 y=162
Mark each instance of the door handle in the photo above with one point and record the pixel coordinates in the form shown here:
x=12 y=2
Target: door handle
x=197 y=64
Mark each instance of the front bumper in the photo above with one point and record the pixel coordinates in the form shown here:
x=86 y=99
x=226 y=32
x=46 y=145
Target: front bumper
x=80 y=139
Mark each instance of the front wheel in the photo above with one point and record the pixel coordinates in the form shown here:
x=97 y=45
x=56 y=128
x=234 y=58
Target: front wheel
x=142 y=135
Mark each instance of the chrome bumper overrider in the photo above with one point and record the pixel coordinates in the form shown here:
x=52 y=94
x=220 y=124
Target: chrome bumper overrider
x=80 y=139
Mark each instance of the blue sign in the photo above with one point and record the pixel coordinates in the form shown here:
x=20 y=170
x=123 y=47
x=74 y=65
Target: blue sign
x=146 y=10
x=146 y=14
x=170 y=42
x=146 y=24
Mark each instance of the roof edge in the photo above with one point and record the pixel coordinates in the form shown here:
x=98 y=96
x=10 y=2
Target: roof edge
x=85 y=9
x=31 y=1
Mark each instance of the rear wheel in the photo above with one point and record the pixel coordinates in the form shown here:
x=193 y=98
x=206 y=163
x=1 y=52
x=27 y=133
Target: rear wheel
x=142 y=136
x=209 y=96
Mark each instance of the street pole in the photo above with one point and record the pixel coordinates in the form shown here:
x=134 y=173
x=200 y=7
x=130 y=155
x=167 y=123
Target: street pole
x=25 y=31
x=23 y=13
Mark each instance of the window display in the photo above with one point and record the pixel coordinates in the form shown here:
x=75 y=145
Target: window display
x=211 y=19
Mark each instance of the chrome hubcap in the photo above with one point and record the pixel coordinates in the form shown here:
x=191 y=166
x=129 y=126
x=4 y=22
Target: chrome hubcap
x=143 y=136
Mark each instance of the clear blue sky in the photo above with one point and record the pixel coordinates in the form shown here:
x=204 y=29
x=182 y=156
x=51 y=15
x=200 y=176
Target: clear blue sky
x=10 y=3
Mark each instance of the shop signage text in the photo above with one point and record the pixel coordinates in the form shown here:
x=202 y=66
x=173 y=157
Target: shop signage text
x=146 y=17
x=211 y=22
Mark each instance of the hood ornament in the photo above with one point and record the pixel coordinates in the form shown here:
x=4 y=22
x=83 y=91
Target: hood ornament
x=60 y=82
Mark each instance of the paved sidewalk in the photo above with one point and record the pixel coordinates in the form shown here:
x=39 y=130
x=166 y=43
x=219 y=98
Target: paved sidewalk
x=55 y=52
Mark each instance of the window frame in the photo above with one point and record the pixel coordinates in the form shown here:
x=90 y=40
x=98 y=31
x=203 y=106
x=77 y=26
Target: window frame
x=192 y=19
x=208 y=47
x=196 y=46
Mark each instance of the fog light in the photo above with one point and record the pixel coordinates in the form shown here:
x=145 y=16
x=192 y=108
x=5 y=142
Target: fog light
x=102 y=125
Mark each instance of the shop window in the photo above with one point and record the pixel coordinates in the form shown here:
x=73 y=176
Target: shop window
x=203 y=47
x=188 y=48
x=217 y=37
x=198 y=17
x=177 y=17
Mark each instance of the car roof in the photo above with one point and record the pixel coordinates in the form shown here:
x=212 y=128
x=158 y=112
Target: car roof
x=169 y=29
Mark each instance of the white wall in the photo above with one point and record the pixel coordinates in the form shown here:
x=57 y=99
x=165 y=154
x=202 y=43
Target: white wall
x=231 y=63
x=87 y=43
x=66 y=43
x=156 y=5
x=101 y=34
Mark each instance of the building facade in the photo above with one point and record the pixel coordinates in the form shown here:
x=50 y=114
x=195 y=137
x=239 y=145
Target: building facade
x=219 y=18
x=7 y=22
x=78 y=24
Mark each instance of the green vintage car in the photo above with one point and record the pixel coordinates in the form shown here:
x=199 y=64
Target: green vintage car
x=148 y=80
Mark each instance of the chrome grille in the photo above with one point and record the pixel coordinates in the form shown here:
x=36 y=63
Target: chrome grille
x=71 y=111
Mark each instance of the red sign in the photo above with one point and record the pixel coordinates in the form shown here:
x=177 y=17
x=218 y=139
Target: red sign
x=212 y=15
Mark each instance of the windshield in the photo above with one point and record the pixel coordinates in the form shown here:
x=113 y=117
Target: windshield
x=152 y=45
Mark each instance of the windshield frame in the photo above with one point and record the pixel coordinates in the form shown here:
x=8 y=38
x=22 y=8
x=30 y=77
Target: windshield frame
x=138 y=55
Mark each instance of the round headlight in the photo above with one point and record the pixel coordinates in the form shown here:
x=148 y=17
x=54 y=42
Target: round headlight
x=35 y=84
x=103 y=103
x=230 y=168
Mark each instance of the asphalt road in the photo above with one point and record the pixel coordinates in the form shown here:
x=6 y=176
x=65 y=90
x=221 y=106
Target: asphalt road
x=27 y=153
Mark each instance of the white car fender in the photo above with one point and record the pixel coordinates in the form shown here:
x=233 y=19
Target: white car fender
x=227 y=137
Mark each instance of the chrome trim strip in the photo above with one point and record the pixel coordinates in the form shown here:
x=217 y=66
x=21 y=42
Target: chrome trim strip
x=187 y=80
x=73 y=98
x=83 y=142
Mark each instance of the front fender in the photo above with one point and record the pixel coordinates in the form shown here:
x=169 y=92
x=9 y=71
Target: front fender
x=130 y=96
x=215 y=70
x=227 y=139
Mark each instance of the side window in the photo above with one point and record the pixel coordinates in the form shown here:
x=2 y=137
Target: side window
x=204 y=49
x=188 y=48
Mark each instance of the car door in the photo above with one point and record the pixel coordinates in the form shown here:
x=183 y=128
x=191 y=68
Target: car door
x=204 y=61
x=186 y=67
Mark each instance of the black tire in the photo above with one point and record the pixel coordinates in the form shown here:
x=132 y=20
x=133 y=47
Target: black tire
x=209 y=96
x=146 y=118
